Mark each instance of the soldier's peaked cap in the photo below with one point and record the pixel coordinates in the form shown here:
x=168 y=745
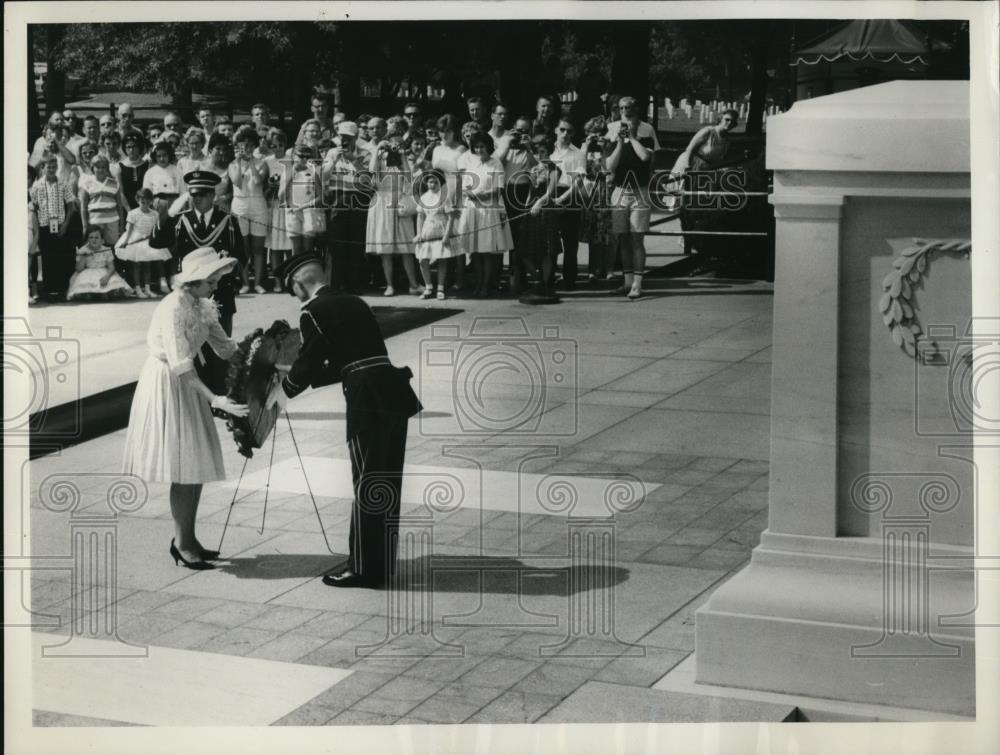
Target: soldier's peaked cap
x=201 y=180
x=289 y=267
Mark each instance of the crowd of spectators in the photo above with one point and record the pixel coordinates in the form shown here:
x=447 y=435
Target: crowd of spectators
x=481 y=204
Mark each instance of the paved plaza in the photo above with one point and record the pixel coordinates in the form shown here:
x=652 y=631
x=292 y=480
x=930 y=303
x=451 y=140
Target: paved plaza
x=543 y=571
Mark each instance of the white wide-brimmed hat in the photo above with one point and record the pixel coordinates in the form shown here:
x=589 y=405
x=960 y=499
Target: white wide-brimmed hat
x=201 y=263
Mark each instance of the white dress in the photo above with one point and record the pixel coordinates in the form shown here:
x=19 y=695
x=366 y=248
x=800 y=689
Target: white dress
x=138 y=248
x=390 y=228
x=432 y=207
x=483 y=228
x=88 y=280
x=171 y=431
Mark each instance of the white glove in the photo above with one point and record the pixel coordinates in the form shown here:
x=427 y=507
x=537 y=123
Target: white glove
x=223 y=403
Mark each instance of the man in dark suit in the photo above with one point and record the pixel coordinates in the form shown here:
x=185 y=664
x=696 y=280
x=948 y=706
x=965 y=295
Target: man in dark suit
x=206 y=225
x=341 y=342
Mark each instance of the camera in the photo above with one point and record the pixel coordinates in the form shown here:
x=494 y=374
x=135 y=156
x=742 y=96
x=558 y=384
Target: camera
x=950 y=373
x=499 y=378
x=43 y=400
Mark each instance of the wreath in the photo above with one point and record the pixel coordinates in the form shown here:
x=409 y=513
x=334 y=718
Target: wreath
x=897 y=305
x=252 y=372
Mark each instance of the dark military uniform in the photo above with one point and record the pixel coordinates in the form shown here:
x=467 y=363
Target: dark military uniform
x=184 y=234
x=341 y=342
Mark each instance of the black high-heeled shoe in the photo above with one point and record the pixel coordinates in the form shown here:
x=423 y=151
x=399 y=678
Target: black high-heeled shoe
x=208 y=555
x=179 y=559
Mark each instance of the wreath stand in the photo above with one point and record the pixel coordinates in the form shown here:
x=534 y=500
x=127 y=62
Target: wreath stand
x=267 y=486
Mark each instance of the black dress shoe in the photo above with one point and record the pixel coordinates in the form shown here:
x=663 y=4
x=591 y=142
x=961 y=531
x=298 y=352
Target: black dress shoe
x=350 y=578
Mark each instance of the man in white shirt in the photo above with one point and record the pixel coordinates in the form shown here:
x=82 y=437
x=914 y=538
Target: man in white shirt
x=631 y=163
x=499 y=118
x=572 y=164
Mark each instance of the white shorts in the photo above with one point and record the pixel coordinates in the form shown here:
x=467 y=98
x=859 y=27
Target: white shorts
x=253 y=216
x=630 y=211
x=309 y=222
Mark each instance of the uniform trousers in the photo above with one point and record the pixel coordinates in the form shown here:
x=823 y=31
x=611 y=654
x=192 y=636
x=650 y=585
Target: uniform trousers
x=58 y=262
x=377 y=446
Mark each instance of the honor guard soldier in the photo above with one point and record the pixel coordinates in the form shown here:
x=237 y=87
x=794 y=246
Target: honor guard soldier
x=341 y=342
x=205 y=225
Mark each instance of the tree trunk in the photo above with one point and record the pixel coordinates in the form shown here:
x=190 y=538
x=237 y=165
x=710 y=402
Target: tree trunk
x=761 y=35
x=183 y=101
x=55 y=79
x=630 y=70
x=34 y=120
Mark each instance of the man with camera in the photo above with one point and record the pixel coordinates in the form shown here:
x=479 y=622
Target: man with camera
x=342 y=343
x=513 y=150
x=348 y=200
x=631 y=163
x=54 y=141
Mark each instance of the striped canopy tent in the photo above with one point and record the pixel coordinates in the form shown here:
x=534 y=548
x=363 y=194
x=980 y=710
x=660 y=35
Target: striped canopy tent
x=878 y=40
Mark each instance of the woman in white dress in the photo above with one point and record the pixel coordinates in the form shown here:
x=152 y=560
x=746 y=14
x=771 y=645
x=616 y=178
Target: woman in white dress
x=445 y=158
x=482 y=224
x=171 y=431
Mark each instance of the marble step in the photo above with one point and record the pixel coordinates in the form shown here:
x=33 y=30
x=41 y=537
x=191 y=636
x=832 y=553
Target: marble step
x=603 y=702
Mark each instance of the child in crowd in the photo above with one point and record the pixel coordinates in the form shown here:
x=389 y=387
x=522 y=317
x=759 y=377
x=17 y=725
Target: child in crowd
x=32 y=241
x=101 y=202
x=133 y=246
x=95 y=276
x=301 y=192
x=56 y=206
x=433 y=239
x=390 y=228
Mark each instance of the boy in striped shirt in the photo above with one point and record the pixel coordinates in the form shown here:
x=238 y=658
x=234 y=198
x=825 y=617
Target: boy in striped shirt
x=55 y=206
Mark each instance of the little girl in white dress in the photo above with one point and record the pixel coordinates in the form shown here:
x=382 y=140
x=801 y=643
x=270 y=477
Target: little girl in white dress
x=133 y=246
x=95 y=275
x=434 y=228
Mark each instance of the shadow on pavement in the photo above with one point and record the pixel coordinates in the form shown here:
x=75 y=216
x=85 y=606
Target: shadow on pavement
x=453 y=574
